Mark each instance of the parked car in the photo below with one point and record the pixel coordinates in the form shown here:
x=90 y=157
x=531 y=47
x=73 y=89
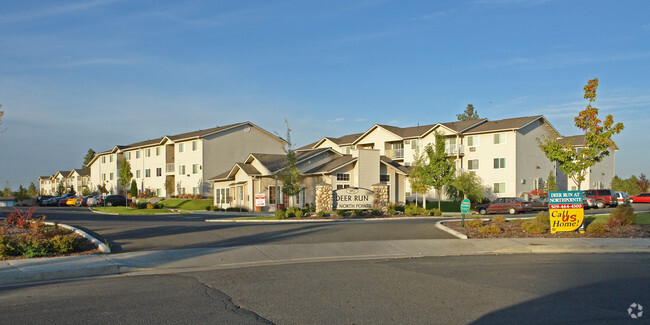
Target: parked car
x=622 y=197
x=72 y=201
x=40 y=200
x=111 y=200
x=641 y=198
x=510 y=205
x=62 y=202
x=540 y=203
x=603 y=198
x=82 y=202
x=587 y=202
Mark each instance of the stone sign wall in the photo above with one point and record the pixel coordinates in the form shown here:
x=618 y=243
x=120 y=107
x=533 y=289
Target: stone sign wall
x=353 y=198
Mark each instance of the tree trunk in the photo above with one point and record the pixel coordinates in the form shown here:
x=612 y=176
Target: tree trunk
x=424 y=201
x=439 y=199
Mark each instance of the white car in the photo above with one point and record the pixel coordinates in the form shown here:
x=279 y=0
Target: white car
x=622 y=198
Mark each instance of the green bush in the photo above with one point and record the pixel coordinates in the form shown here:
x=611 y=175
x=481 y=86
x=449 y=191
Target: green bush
x=149 y=206
x=280 y=215
x=622 y=215
x=434 y=212
x=340 y=213
x=534 y=227
x=208 y=207
x=8 y=247
x=499 y=219
x=32 y=246
x=63 y=244
x=321 y=214
x=413 y=210
x=596 y=228
x=543 y=217
x=490 y=230
x=357 y=213
x=392 y=211
x=474 y=223
x=299 y=214
x=375 y=212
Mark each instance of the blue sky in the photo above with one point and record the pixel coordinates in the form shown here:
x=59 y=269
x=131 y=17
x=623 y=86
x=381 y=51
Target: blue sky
x=76 y=75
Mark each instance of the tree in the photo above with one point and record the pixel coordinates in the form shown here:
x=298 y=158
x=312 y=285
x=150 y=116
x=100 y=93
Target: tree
x=125 y=173
x=643 y=183
x=88 y=157
x=169 y=186
x=470 y=186
x=629 y=185
x=551 y=183
x=101 y=188
x=134 y=189
x=21 y=194
x=72 y=192
x=60 y=190
x=31 y=190
x=417 y=175
x=468 y=114
x=440 y=169
x=598 y=140
x=290 y=174
x=85 y=191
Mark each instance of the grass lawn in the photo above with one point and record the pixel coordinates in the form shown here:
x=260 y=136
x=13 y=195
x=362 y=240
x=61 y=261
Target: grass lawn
x=641 y=219
x=185 y=204
x=131 y=211
x=255 y=218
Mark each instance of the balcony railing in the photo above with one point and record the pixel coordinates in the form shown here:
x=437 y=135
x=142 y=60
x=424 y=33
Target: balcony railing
x=394 y=153
x=453 y=151
x=170 y=168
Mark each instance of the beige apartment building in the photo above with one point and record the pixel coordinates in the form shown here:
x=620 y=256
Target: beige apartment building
x=183 y=160
x=76 y=178
x=503 y=153
x=363 y=168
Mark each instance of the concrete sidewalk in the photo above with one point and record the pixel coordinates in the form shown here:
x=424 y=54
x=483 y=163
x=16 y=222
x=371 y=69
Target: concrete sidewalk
x=183 y=260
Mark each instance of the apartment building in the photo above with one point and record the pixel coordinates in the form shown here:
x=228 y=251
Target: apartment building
x=503 y=153
x=182 y=160
x=598 y=176
x=237 y=186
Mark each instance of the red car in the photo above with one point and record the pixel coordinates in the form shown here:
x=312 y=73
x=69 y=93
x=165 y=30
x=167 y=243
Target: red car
x=641 y=198
x=510 y=205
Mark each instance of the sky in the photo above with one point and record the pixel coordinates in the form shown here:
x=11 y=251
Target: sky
x=76 y=75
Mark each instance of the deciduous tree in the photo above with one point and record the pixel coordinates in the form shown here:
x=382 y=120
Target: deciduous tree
x=469 y=114
x=440 y=169
x=417 y=175
x=470 y=186
x=598 y=140
x=125 y=173
x=643 y=183
x=290 y=174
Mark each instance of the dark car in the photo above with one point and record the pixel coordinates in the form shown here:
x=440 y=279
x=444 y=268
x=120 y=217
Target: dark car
x=603 y=198
x=510 y=205
x=540 y=203
x=113 y=201
x=40 y=200
x=83 y=201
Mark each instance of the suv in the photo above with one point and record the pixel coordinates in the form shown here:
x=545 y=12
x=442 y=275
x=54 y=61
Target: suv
x=603 y=198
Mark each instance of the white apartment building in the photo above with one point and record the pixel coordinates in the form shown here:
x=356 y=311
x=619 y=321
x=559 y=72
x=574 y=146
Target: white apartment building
x=183 y=160
x=503 y=153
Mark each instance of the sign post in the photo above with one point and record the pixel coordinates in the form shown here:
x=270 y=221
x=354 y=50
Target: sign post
x=464 y=208
x=566 y=210
x=260 y=201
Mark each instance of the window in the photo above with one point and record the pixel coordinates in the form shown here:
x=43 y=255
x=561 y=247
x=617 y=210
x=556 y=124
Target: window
x=181 y=190
x=499 y=138
x=158 y=192
x=343 y=177
x=195 y=190
x=157 y=151
x=472 y=141
x=415 y=144
x=499 y=188
x=222 y=195
x=342 y=186
x=104 y=177
x=240 y=191
x=147 y=173
x=104 y=160
x=110 y=158
x=111 y=176
x=346 y=150
x=137 y=173
x=195 y=145
x=137 y=154
x=128 y=156
x=450 y=146
x=158 y=171
x=384 y=178
x=195 y=168
x=273 y=192
x=147 y=152
x=181 y=147
x=181 y=169
x=499 y=163
x=472 y=164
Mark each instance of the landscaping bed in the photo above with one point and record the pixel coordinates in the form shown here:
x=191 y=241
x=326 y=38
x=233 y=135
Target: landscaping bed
x=23 y=235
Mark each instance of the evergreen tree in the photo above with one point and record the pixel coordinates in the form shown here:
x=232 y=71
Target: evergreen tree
x=88 y=157
x=134 y=189
x=468 y=114
x=643 y=183
x=551 y=183
x=31 y=190
x=60 y=189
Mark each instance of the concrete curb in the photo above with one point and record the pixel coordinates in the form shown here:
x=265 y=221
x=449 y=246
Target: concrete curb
x=323 y=220
x=101 y=246
x=448 y=230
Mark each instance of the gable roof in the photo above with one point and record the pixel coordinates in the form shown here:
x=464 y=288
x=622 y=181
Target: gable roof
x=347 y=139
x=508 y=124
x=332 y=165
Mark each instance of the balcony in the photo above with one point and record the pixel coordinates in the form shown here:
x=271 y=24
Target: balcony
x=394 y=153
x=170 y=168
x=455 y=150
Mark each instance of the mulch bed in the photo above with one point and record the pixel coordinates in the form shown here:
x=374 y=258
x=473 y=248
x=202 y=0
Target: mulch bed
x=512 y=229
x=86 y=247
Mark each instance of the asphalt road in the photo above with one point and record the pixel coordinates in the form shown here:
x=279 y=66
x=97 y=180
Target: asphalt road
x=138 y=233
x=518 y=289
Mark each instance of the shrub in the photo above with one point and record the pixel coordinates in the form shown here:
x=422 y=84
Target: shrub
x=375 y=212
x=474 y=223
x=32 y=246
x=499 y=219
x=392 y=211
x=8 y=247
x=340 y=213
x=596 y=228
x=280 y=215
x=490 y=230
x=63 y=244
x=292 y=212
x=299 y=214
x=321 y=214
x=543 y=217
x=434 y=212
x=357 y=213
x=208 y=208
x=413 y=210
x=20 y=219
x=621 y=216
x=534 y=227
x=149 y=206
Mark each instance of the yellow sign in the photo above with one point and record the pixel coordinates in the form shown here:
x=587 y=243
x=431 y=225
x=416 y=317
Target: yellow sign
x=566 y=210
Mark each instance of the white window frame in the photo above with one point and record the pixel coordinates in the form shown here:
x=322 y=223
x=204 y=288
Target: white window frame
x=147 y=152
x=499 y=186
x=475 y=141
x=158 y=172
x=147 y=172
x=344 y=177
x=181 y=147
x=500 y=165
x=137 y=154
x=137 y=173
x=128 y=155
x=469 y=166
x=195 y=168
x=181 y=170
x=500 y=137
x=110 y=158
x=157 y=151
x=195 y=145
